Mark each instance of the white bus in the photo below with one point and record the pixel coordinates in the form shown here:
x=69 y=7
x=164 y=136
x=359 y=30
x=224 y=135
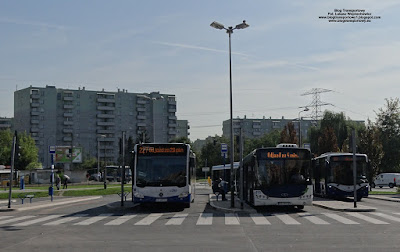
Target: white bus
x=278 y=176
x=163 y=173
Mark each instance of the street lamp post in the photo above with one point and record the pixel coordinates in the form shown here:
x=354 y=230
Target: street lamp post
x=98 y=158
x=229 y=30
x=305 y=109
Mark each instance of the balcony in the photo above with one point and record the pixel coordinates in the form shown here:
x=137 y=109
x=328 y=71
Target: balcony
x=68 y=98
x=103 y=131
x=141 y=109
x=34 y=129
x=172 y=117
x=107 y=108
x=172 y=110
x=34 y=104
x=141 y=117
x=5 y=125
x=171 y=102
x=256 y=133
x=69 y=131
x=67 y=139
x=105 y=116
x=68 y=114
x=171 y=132
x=141 y=124
x=34 y=121
x=172 y=125
x=68 y=106
x=68 y=123
x=35 y=113
x=35 y=96
x=105 y=123
x=141 y=101
x=256 y=126
x=105 y=100
x=105 y=139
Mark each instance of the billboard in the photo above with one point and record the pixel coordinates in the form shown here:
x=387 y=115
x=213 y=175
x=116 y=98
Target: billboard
x=66 y=154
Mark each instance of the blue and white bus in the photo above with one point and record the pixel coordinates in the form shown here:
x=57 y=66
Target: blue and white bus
x=163 y=173
x=278 y=176
x=333 y=175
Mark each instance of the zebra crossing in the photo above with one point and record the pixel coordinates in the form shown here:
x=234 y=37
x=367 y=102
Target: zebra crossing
x=204 y=219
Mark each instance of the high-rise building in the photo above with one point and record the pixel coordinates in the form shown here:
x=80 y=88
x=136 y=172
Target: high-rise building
x=182 y=128
x=93 y=120
x=254 y=128
x=6 y=123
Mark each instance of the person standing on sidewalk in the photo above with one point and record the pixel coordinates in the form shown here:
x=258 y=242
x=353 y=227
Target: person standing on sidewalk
x=222 y=185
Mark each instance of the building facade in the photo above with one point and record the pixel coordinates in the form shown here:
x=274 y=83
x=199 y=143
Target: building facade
x=6 y=123
x=254 y=128
x=182 y=128
x=93 y=120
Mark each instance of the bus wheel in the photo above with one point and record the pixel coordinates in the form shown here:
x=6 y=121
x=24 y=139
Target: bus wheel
x=391 y=185
x=373 y=185
x=186 y=205
x=300 y=207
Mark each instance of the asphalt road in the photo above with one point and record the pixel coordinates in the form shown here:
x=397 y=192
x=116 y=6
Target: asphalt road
x=94 y=226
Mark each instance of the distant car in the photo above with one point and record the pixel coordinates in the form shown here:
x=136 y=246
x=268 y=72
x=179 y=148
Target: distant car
x=386 y=179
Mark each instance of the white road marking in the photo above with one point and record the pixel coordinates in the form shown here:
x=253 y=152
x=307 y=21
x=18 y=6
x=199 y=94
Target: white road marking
x=340 y=218
x=16 y=219
x=386 y=216
x=260 y=219
x=366 y=218
x=285 y=218
x=177 y=219
x=93 y=219
x=65 y=219
x=313 y=219
x=120 y=220
x=149 y=219
x=205 y=219
x=231 y=219
x=27 y=223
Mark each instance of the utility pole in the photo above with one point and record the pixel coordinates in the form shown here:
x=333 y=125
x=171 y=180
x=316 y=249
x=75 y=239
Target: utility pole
x=123 y=167
x=316 y=104
x=12 y=168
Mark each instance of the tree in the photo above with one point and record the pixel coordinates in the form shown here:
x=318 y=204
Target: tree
x=271 y=139
x=288 y=134
x=181 y=140
x=371 y=145
x=327 y=141
x=29 y=152
x=6 y=137
x=388 y=124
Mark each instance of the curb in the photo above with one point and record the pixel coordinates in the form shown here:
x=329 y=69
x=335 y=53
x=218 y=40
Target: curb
x=229 y=210
x=345 y=209
x=383 y=198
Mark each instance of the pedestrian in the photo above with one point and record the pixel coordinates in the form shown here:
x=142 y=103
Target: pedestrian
x=65 y=186
x=58 y=182
x=222 y=187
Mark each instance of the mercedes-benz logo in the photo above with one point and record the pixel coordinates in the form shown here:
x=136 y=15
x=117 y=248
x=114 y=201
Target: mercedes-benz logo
x=284 y=194
x=161 y=194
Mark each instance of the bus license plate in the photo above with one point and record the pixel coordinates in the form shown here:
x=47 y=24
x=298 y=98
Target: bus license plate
x=284 y=203
x=161 y=200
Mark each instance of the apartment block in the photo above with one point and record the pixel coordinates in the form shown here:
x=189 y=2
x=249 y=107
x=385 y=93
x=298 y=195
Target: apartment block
x=6 y=123
x=93 y=120
x=254 y=128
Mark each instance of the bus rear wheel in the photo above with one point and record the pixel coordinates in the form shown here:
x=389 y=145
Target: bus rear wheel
x=300 y=207
x=391 y=185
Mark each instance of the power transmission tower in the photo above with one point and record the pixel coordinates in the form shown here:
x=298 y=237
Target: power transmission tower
x=316 y=103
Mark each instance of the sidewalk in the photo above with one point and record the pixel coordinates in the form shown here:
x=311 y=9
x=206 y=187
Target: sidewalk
x=390 y=197
x=226 y=205
x=38 y=203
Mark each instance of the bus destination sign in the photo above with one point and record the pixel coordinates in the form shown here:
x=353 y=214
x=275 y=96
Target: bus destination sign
x=273 y=154
x=161 y=150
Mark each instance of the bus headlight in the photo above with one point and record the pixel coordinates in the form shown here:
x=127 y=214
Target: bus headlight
x=138 y=195
x=183 y=195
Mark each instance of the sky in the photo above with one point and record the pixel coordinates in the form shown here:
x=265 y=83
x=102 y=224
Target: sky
x=170 y=47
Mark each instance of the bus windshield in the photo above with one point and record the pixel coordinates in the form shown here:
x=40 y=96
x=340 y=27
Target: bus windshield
x=341 y=172
x=161 y=171
x=282 y=172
